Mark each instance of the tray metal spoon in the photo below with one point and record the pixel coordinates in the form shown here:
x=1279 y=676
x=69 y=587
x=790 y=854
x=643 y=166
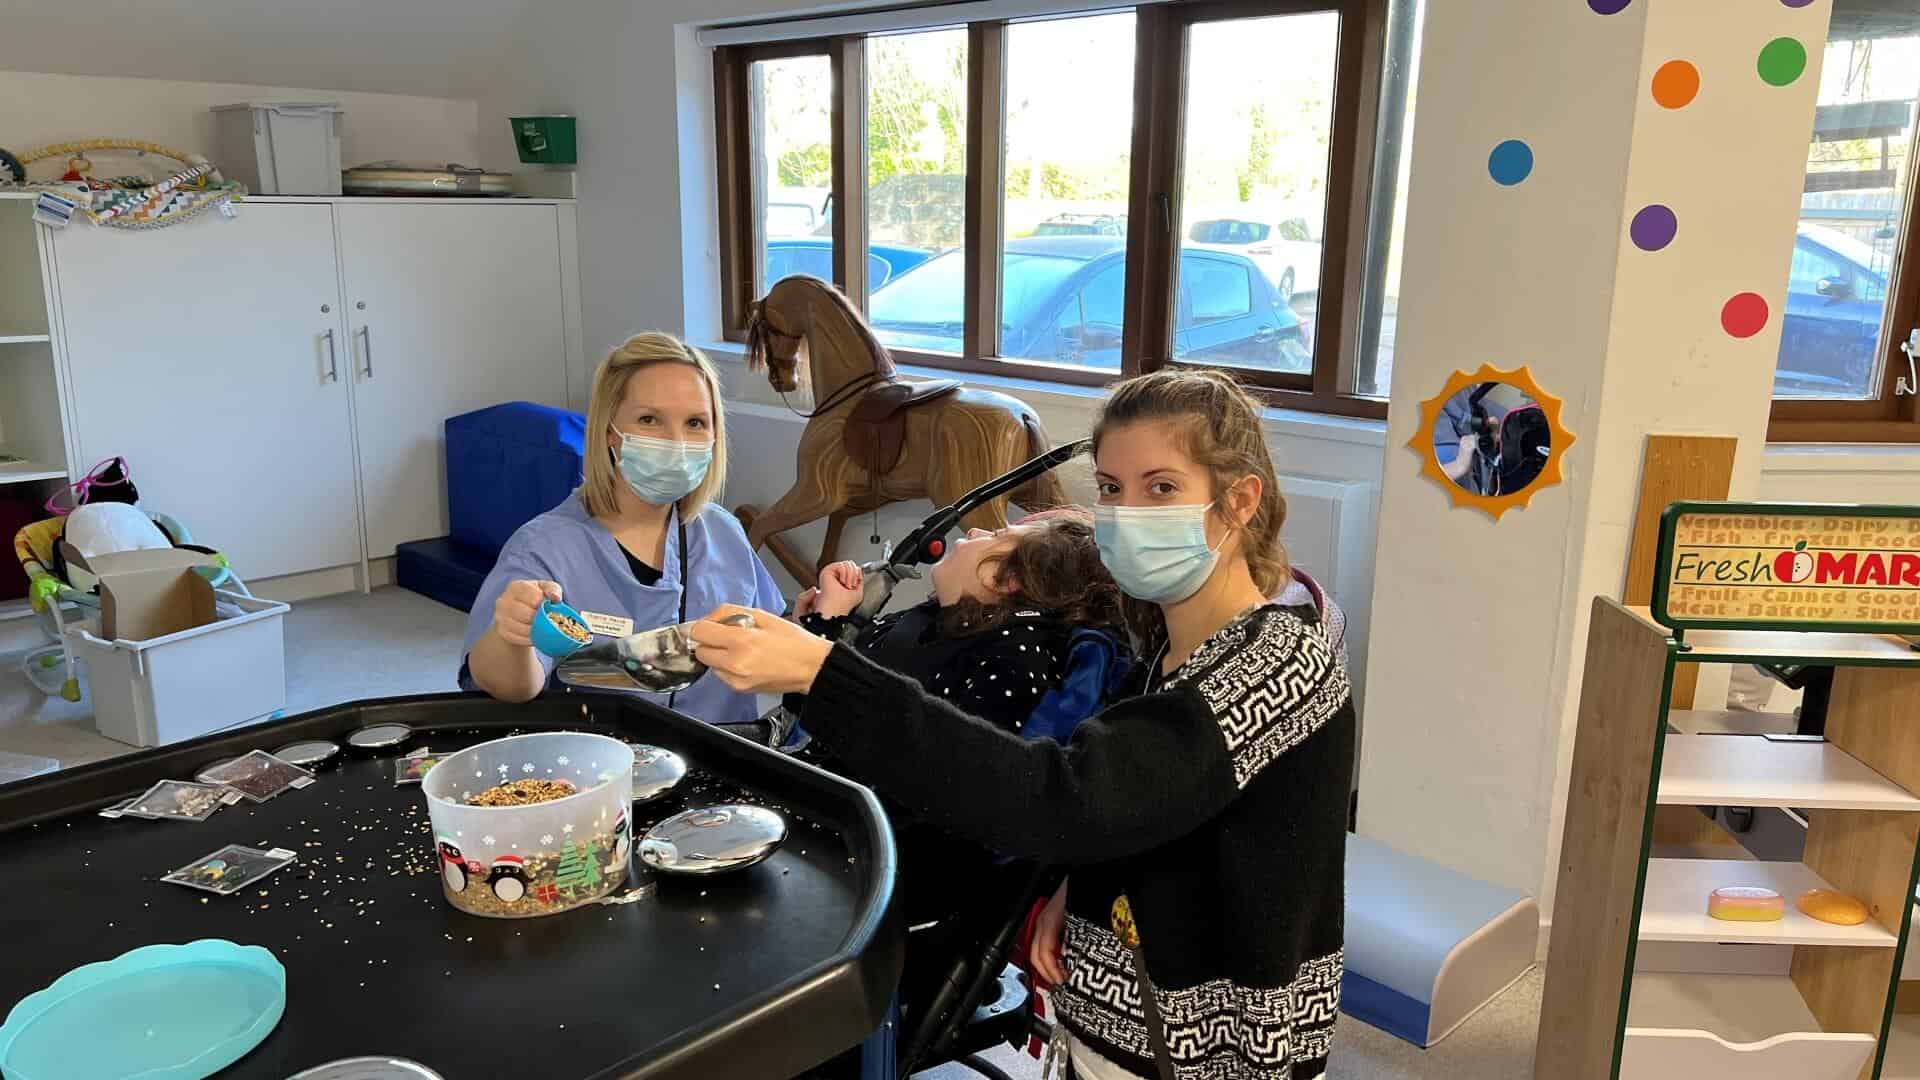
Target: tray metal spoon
x=658 y=661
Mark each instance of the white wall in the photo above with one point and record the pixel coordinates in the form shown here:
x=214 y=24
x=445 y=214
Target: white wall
x=1469 y=613
x=439 y=48
x=38 y=109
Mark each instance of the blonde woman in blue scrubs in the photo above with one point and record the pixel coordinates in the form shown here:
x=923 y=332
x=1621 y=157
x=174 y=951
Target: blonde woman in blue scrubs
x=641 y=544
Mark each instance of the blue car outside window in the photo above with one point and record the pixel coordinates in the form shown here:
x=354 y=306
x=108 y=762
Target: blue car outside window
x=931 y=294
x=1219 y=290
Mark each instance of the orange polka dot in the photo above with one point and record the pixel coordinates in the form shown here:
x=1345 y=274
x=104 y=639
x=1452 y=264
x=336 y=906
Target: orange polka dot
x=1675 y=84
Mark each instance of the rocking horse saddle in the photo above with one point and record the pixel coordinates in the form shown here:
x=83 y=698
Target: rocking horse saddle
x=876 y=431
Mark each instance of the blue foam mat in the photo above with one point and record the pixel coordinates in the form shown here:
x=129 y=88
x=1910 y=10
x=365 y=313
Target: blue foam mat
x=1385 y=1008
x=442 y=570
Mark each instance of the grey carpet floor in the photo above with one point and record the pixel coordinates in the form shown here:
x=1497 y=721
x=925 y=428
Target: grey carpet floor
x=391 y=641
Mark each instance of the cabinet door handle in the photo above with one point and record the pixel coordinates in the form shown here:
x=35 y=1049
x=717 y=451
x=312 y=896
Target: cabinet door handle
x=333 y=359
x=366 y=348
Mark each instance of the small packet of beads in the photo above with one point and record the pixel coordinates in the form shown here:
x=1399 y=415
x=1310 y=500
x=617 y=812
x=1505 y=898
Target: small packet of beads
x=257 y=775
x=230 y=869
x=412 y=768
x=178 y=800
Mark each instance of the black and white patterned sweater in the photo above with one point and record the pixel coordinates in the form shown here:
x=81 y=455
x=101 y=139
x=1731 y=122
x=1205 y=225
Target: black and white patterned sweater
x=1207 y=815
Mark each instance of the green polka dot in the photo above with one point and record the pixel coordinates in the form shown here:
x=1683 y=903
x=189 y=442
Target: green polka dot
x=1782 y=61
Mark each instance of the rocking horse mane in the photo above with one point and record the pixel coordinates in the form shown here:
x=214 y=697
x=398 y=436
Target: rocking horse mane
x=757 y=328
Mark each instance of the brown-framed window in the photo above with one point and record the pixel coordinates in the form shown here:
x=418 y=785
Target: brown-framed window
x=1082 y=196
x=1853 y=292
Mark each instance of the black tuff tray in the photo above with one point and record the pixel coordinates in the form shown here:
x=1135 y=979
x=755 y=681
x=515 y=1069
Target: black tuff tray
x=764 y=973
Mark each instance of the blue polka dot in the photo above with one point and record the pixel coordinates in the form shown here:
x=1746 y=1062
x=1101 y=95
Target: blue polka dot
x=1510 y=162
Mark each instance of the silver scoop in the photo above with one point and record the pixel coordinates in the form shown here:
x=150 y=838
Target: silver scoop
x=712 y=839
x=658 y=661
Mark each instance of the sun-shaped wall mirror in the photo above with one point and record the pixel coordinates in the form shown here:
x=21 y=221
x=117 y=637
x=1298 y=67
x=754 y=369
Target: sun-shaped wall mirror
x=1491 y=438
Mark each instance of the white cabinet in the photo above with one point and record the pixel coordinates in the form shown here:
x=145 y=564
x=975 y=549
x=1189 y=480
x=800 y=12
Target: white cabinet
x=207 y=353
x=451 y=308
x=281 y=380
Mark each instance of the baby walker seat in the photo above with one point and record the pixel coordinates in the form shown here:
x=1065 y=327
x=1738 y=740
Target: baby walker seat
x=94 y=517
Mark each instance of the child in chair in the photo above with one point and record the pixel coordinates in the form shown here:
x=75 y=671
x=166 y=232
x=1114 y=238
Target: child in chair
x=995 y=635
x=996 y=639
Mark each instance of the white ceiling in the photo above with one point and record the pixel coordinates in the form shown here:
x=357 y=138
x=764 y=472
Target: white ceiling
x=439 y=48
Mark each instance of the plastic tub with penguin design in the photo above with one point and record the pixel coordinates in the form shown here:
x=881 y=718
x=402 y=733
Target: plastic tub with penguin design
x=515 y=862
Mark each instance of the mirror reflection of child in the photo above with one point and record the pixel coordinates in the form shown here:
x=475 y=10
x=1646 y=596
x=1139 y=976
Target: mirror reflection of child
x=1463 y=460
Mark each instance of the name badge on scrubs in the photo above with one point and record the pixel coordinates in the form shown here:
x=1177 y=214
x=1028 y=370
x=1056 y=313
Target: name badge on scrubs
x=609 y=625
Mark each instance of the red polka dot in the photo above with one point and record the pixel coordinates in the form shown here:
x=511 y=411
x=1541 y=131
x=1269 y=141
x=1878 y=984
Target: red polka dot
x=1744 y=315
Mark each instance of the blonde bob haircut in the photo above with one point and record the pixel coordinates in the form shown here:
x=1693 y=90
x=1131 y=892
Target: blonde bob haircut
x=600 y=493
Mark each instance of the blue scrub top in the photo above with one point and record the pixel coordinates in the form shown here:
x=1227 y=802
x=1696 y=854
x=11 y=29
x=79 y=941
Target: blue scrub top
x=566 y=545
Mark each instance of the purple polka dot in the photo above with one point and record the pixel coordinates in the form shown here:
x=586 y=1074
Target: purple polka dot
x=1653 y=227
x=1796 y=3
x=1608 y=7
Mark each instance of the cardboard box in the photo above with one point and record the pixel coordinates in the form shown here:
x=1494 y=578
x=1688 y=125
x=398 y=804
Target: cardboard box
x=150 y=594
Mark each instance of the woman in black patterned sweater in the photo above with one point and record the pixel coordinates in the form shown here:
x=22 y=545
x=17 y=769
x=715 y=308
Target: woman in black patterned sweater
x=1205 y=818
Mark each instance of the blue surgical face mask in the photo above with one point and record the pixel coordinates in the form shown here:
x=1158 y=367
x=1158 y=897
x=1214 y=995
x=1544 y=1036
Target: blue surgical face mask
x=1155 y=553
x=662 y=471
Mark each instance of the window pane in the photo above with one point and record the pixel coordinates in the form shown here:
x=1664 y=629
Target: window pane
x=1850 y=212
x=790 y=104
x=1259 y=114
x=1387 y=214
x=916 y=186
x=1069 y=142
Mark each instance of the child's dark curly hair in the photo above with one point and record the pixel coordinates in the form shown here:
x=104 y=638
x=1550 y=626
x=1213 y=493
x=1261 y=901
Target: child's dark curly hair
x=1055 y=567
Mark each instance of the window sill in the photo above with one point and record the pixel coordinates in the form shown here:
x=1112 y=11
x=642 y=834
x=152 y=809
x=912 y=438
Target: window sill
x=1055 y=395
x=1866 y=433
x=1830 y=457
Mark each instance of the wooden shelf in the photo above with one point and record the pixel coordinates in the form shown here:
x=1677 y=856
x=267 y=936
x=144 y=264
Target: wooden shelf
x=1753 y=1025
x=20 y=472
x=1735 y=646
x=1732 y=722
x=1748 y=770
x=1814 y=1002
x=1674 y=907
x=1737 y=1008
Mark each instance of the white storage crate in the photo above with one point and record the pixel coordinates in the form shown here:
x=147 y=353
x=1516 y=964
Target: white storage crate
x=280 y=148
x=181 y=686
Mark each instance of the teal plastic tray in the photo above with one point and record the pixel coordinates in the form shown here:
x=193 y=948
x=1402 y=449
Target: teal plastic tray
x=160 y=1012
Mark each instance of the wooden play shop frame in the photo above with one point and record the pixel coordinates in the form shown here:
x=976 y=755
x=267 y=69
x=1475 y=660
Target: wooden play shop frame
x=1796 y=999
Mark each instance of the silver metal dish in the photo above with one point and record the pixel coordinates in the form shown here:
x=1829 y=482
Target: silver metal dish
x=713 y=839
x=656 y=772
x=308 y=753
x=380 y=737
x=658 y=661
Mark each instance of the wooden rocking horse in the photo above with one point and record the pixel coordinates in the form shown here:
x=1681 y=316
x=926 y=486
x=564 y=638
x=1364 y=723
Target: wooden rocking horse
x=872 y=437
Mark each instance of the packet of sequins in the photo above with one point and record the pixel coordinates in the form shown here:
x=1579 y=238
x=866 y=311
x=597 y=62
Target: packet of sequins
x=257 y=775
x=178 y=800
x=230 y=869
x=413 y=768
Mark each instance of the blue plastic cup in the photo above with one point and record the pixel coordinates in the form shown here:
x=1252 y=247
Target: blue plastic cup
x=552 y=640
